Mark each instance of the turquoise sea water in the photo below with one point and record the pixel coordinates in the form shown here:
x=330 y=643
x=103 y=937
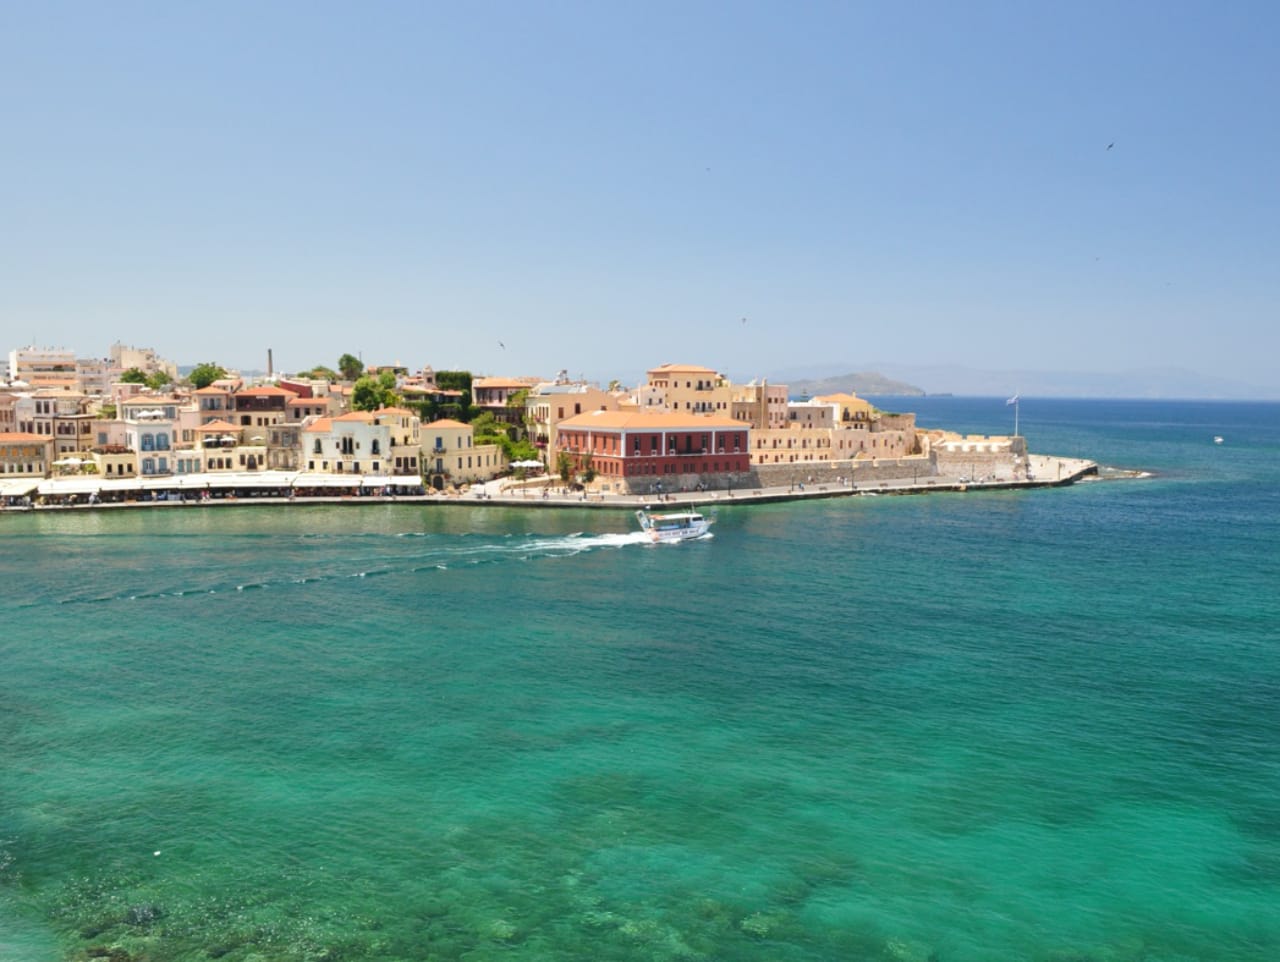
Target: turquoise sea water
x=1039 y=725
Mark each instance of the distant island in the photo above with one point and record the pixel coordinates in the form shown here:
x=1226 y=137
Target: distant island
x=859 y=382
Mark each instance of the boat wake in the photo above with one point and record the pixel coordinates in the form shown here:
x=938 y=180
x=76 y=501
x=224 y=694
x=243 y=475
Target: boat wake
x=378 y=558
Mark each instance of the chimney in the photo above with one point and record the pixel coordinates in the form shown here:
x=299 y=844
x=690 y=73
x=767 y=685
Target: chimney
x=269 y=369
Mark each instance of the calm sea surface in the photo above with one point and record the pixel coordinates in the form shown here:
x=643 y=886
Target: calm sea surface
x=1041 y=725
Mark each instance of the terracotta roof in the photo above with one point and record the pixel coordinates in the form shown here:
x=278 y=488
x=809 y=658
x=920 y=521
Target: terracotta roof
x=319 y=426
x=683 y=369
x=500 y=382
x=394 y=410
x=445 y=423
x=301 y=401
x=842 y=398
x=218 y=425
x=266 y=390
x=19 y=436
x=666 y=420
x=355 y=416
x=211 y=390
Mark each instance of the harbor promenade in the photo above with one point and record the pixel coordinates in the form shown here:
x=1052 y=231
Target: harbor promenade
x=1044 y=471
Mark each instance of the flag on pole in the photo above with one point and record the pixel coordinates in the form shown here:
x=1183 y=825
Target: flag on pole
x=1012 y=400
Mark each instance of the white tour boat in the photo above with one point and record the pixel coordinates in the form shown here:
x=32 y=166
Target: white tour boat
x=672 y=526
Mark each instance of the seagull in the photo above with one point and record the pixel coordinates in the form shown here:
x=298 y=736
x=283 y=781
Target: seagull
x=744 y=320
x=1110 y=145
x=501 y=345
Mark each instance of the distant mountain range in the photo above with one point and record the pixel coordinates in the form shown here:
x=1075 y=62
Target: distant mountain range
x=1155 y=383
x=859 y=382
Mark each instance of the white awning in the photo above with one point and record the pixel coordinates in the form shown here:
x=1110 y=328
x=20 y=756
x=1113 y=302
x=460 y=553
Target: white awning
x=254 y=479
x=17 y=487
x=305 y=480
x=65 y=486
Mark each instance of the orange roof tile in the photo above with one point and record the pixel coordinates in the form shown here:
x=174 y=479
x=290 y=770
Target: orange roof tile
x=16 y=437
x=445 y=423
x=218 y=425
x=266 y=390
x=683 y=369
x=319 y=426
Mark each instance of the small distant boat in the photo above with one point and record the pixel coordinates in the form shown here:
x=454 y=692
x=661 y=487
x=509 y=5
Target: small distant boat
x=1217 y=439
x=672 y=526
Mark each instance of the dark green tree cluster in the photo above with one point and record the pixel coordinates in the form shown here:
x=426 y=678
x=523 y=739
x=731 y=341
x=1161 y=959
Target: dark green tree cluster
x=202 y=375
x=487 y=429
x=320 y=373
x=350 y=366
x=459 y=410
x=370 y=393
x=155 y=380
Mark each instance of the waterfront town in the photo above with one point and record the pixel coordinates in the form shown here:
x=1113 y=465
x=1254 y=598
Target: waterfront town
x=129 y=429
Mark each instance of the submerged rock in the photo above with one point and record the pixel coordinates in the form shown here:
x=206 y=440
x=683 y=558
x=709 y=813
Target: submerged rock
x=145 y=914
x=110 y=953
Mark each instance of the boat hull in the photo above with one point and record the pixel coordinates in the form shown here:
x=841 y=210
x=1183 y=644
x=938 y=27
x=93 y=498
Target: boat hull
x=673 y=527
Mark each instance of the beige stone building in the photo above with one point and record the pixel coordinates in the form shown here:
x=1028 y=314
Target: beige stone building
x=450 y=455
x=550 y=403
x=835 y=427
x=760 y=404
x=25 y=454
x=404 y=426
x=686 y=389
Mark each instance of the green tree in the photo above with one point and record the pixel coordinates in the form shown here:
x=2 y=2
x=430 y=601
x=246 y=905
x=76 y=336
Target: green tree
x=158 y=379
x=522 y=450
x=455 y=381
x=202 y=375
x=320 y=373
x=486 y=429
x=350 y=366
x=588 y=468
x=370 y=393
x=135 y=375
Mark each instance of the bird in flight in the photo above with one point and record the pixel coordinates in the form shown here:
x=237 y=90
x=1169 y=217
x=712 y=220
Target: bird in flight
x=501 y=345
x=1110 y=145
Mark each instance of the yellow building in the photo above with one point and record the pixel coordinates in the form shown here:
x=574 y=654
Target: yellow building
x=406 y=439
x=27 y=454
x=685 y=389
x=450 y=455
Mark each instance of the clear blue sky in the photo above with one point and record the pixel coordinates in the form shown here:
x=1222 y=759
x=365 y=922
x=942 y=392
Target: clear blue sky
x=604 y=187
